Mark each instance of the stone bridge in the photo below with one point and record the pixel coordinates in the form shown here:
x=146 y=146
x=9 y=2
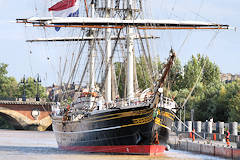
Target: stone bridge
x=26 y=115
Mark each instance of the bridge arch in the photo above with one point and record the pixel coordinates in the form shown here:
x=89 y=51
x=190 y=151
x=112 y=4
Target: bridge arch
x=20 y=121
x=10 y=121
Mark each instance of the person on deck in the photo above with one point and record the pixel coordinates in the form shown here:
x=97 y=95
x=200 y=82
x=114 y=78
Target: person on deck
x=99 y=104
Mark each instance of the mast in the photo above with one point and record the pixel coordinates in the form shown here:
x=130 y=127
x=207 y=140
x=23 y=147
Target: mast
x=130 y=52
x=92 y=54
x=158 y=88
x=108 y=84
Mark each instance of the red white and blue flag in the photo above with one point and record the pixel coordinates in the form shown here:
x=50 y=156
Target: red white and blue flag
x=65 y=8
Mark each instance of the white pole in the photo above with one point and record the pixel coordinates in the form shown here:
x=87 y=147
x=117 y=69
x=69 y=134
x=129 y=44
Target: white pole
x=108 y=84
x=130 y=90
x=130 y=52
x=92 y=55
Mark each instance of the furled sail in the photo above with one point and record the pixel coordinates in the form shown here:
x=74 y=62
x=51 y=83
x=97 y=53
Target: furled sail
x=120 y=23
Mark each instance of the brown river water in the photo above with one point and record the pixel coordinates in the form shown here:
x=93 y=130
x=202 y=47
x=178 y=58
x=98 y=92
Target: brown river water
x=34 y=145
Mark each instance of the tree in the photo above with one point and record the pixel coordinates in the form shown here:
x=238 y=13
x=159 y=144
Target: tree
x=8 y=85
x=191 y=71
x=232 y=101
x=210 y=73
x=234 y=108
x=204 y=98
x=3 y=70
x=11 y=88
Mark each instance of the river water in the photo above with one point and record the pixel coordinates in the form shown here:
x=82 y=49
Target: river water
x=34 y=145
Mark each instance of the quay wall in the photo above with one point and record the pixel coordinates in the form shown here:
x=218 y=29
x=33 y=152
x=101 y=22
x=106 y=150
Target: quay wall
x=211 y=140
x=208 y=149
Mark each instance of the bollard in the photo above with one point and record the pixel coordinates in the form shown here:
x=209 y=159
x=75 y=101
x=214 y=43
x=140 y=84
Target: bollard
x=204 y=126
x=208 y=127
x=198 y=126
x=220 y=127
x=179 y=126
x=189 y=125
x=233 y=128
x=238 y=144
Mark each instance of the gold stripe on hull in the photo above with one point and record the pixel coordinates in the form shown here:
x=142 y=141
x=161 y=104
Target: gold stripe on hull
x=124 y=114
x=140 y=121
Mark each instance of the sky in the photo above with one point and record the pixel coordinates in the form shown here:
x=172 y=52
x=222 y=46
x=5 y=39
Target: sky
x=222 y=47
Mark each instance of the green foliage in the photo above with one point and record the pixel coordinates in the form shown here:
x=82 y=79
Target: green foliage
x=211 y=98
x=191 y=72
x=232 y=100
x=205 y=97
x=3 y=70
x=8 y=85
x=210 y=75
x=234 y=107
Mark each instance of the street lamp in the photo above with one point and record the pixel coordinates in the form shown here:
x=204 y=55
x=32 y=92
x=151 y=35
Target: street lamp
x=37 y=82
x=24 y=82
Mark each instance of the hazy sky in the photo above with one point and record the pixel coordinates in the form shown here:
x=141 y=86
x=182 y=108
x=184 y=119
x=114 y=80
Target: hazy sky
x=30 y=59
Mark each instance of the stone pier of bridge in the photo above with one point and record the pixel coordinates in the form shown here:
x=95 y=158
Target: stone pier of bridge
x=27 y=115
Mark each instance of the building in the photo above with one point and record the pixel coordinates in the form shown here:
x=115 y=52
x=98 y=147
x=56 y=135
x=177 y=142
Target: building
x=228 y=77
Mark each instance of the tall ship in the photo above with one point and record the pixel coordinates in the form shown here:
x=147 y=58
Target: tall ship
x=98 y=119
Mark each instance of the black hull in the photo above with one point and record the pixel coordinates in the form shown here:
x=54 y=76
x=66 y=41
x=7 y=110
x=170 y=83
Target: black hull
x=136 y=126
